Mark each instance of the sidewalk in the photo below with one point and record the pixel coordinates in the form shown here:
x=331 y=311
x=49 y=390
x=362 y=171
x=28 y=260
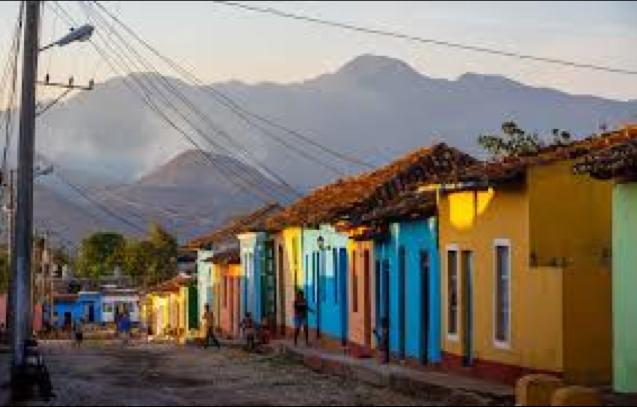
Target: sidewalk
x=457 y=389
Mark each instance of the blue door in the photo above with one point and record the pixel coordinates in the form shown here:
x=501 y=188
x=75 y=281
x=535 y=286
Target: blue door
x=342 y=284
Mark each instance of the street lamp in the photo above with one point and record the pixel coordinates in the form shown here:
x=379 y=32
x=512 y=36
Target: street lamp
x=81 y=34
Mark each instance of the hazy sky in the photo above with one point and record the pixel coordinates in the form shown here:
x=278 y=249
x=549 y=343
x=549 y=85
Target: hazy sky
x=223 y=43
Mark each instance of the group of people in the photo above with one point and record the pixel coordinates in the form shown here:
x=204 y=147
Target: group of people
x=123 y=327
x=254 y=335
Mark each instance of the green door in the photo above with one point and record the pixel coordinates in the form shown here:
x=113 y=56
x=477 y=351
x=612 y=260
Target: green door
x=193 y=308
x=268 y=285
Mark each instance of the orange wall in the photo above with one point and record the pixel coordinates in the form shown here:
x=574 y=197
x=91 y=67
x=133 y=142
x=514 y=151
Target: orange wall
x=356 y=319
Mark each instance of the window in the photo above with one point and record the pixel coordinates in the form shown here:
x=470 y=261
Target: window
x=108 y=307
x=354 y=283
x=452 y=291
x=502 y=290
x=336 y=280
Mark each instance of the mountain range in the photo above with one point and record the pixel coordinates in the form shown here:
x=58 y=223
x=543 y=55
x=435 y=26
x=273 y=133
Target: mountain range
x=372 y=109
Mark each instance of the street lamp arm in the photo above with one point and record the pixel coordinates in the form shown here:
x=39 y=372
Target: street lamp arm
x=80 y=34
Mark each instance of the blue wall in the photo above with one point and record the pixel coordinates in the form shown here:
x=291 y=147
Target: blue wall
x=252 y=252
x=332 y=290
x=78 y=309
x=415 y=237
x=86 y=299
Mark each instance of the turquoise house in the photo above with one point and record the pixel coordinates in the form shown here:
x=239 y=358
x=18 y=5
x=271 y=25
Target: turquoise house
x=325 y=263
x=204 y=279
x=408 y=293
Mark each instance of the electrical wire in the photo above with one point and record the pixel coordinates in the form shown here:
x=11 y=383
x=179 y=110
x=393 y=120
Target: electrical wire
x=120 y=66
x=430 y=41
x=229 y=102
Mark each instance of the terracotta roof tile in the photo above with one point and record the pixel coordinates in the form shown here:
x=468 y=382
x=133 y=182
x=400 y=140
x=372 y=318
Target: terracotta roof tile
x=329 y=202
x=618 y=160
x=514 y=167
x=226 y=234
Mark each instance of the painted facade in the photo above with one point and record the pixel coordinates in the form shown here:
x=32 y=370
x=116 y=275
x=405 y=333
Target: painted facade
x=530 y=253
x=362 y=318
x=229 y=295
x=205 y=280
x=624 y=283
x=117 y=301
x=408 y=294
x=325 y=281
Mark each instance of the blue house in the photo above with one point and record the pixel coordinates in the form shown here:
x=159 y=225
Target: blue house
x=68 y=309
x=90 y=304
x=325 y=265
x=408 y=293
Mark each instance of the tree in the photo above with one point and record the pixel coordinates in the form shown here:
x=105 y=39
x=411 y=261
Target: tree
x=99 y=254
x=512 y=142
x=139 y=262
x=152 y=260
x=165 y=250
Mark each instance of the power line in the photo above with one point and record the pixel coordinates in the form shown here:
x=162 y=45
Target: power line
x=147 y=100
x=230 y=103
x=97 y=204
x=189 y=104
x=430 y=41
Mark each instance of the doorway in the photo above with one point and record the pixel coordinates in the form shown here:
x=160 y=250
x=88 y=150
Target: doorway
x=424 y=306
x=281 y=289
x=367 y=306
x=402 y=264
x=467 y=301
x=342 y=276
x=385 y=295
x=91 y=313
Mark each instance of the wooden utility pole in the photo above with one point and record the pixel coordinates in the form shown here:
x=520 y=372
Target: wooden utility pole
x=23 y=228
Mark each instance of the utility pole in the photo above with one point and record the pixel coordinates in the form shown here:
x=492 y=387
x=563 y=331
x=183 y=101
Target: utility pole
x=23 y=228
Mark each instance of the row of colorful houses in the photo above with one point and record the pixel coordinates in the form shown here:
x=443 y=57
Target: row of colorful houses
x=498 y=268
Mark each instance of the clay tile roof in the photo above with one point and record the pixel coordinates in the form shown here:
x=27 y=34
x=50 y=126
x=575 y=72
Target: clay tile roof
x=172 y=285
x=410 y=204
x=226 y=234
x=230 y=256
x=514 y=167
x=618 y=160
x=329 y=202
x=65 y=297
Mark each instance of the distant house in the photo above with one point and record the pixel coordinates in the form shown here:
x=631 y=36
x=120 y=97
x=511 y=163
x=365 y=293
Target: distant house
x=239 y=286
x=167 y=308
x=619 y=162
x=117 y=301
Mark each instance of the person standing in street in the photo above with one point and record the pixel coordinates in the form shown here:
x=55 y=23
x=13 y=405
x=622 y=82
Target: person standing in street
x=300 y=317
x=209 y=326
x=124 y=328
x=79 y=333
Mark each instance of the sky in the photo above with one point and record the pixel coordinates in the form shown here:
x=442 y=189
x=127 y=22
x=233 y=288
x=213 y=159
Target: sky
x=222 y=43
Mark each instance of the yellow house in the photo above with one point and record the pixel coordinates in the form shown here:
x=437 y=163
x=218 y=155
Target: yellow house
x=165 y=309
x=525 y=265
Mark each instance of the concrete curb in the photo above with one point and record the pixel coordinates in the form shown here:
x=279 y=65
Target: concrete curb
x=427 y=385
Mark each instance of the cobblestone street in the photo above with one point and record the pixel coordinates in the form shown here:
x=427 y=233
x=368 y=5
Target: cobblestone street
x=154 y=374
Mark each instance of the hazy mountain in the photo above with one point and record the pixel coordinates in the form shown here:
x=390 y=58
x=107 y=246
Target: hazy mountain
x=187 y=195
x=373 y=108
